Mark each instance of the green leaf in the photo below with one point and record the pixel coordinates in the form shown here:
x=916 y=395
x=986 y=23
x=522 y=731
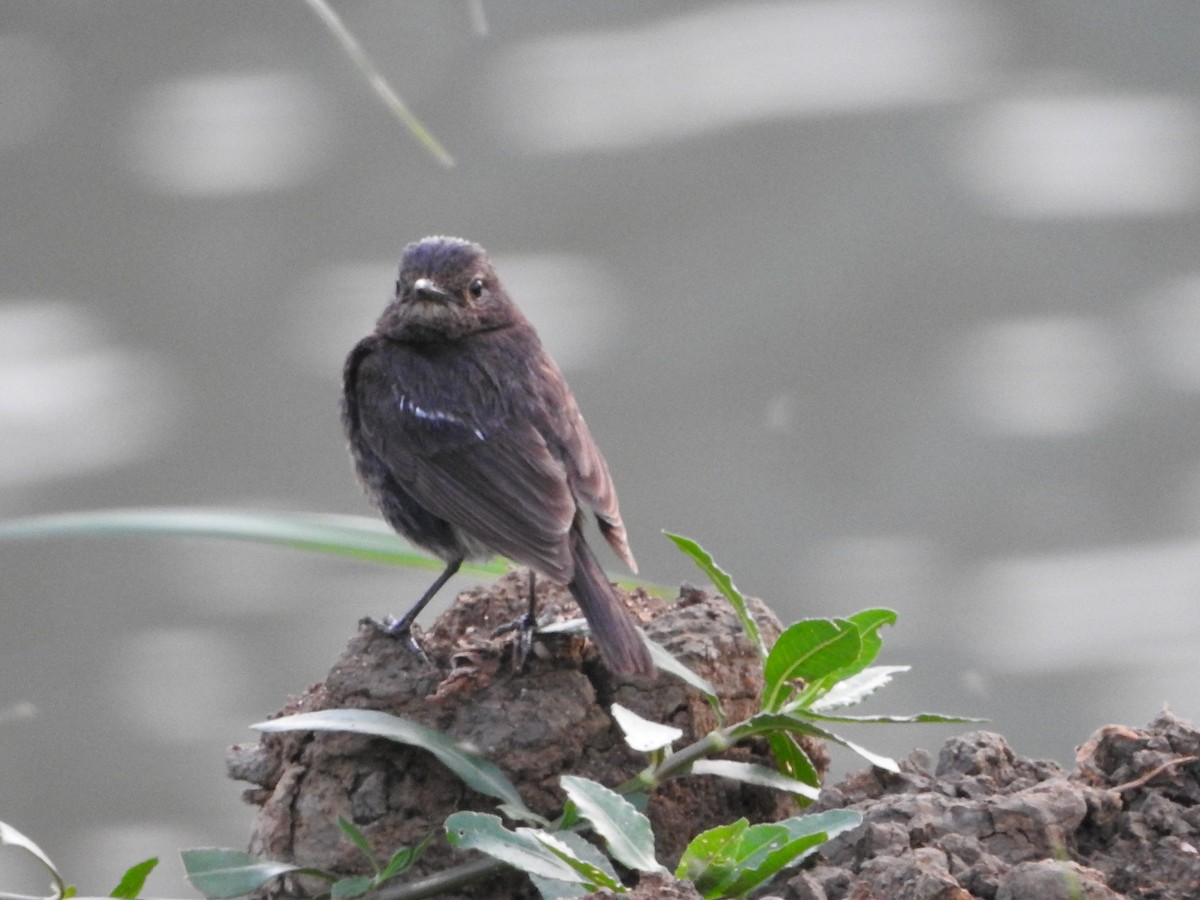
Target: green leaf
x=868 y=622
x=800 y=725
x=591 y=874
x=626 y=831
x=522 y=849
x=915 y=719
x=218 y=873
x=561 y=890
x=665 y=662
x=354 y=536
x=808 y=650
x=478 y=773
x=354 y=886
x=724 y=584
x=10 y=837
x=641 y=734
x=359 y=840
x=792 y=759
x=732 y=860
x=750 y=773
x=134 y=879
x=403 y=859
x=855 y=688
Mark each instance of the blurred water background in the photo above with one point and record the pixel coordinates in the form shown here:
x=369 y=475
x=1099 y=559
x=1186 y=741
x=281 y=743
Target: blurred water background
x=887 y=302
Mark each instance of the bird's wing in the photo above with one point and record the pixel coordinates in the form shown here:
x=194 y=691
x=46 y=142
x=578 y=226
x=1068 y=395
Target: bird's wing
x=587 y=471
x=466 y=458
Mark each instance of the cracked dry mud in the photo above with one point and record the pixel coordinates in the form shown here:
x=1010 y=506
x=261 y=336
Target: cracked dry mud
x=978 y=821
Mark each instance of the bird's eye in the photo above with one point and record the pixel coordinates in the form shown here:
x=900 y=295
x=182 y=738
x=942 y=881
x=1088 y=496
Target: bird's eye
x=476 y=287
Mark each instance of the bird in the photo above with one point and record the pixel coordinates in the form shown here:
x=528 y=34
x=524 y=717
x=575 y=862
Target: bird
x=467 y=439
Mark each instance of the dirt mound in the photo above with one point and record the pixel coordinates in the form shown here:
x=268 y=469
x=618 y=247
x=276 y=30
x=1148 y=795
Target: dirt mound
x=983 y=822
x=980 y=822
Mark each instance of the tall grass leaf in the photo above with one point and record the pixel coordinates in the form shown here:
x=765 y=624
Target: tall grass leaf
x=353 y=536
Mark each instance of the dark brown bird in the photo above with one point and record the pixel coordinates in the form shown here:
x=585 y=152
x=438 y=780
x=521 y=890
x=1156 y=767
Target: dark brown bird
x=468 y=440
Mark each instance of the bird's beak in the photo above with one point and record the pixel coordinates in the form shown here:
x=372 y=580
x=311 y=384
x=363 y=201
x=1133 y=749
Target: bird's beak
x=427 y=289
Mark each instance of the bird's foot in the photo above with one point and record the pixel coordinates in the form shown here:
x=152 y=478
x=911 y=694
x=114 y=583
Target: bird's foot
x=525 y=626
x=401 y=630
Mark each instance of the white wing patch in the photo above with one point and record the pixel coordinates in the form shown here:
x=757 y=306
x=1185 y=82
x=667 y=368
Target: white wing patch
x=436 y=416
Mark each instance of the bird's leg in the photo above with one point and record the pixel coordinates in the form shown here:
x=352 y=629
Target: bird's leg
x=531 y=616
x=527 y=624
x=401 y=628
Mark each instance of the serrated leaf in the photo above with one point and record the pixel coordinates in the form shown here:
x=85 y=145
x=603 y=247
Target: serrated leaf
x=519 y=849
x=355 y=536
x=220 y=873
x=724 y=585
x=915 y=719
x=801 y=726
x=856 y=688
x=561 y=890
x=641 y=734
x=478 y=773
x=134 y=879
x=808 y=650
x=626 y=832
x=591 y=875
x=10 y=837
x=750 y=773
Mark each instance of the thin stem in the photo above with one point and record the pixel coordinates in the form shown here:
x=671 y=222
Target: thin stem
x=391 y=99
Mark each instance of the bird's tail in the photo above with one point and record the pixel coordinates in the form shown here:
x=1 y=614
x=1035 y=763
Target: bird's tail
x=612 y=627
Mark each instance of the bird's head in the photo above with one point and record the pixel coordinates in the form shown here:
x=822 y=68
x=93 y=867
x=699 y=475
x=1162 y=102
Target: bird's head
x=446 y=289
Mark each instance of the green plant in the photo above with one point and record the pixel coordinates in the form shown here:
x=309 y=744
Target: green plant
x=815 y=668
x=128 y=888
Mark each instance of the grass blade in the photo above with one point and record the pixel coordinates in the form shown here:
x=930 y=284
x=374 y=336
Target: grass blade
x=353 y=536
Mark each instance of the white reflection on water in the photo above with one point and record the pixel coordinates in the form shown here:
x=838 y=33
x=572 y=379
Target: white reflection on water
x=1065 y=155
x=229 y=134
x=737 y=63
x=1040 y=377
x=70 y=401
x=1171 y=325
x=1109 y=607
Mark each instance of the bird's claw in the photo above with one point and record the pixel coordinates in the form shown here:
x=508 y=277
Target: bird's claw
x=525 y=627
x=401 y=630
